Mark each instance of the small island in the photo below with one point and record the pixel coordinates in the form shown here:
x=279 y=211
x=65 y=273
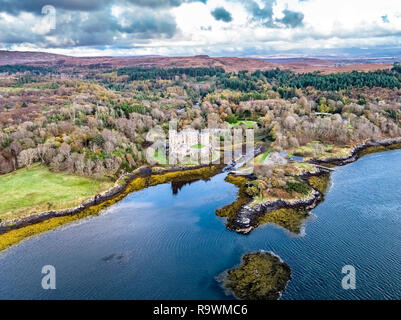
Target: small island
x=261 y=276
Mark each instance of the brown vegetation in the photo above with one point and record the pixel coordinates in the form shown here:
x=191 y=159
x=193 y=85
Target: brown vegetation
x=228 y=63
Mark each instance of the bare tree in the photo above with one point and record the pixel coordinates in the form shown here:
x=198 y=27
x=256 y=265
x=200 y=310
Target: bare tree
x=27 y=157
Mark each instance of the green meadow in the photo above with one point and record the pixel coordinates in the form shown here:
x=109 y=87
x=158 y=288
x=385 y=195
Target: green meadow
x=36 y=189
x=247 y=123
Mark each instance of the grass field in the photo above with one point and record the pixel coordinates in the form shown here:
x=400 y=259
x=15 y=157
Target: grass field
x=262 y=157
x=17 y=89
x=37 y=189
x=248 y=124
x=161 y=158
x=198 y=146
x=318 y=150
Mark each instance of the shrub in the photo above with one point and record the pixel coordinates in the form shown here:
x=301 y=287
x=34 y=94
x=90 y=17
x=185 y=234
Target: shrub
x=232 y=118
x=99 y=140
x=298 y=187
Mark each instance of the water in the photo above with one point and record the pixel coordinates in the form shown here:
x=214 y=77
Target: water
x=155 y=244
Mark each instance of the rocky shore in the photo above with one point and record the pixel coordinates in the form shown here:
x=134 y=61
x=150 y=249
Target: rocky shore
x=36 y=218
x=97 y=200
x=261 y=276
x=109 y=195
x=358 y=151
x=248 y=216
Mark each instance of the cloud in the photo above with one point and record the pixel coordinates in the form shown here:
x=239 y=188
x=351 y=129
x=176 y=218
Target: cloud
x=162 y=3
x=222 y=14
x=35 y=6
x=98 y=28
x=261 y=13
x=151 y=25
x=187 y=27
x=16 y=7
x=291 y=19
x=265 y=15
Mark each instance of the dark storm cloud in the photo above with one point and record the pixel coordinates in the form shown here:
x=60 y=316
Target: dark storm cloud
x=104 y=29
x=162 y=3
x=35 y=6
x=222 y=14
x=292 y=19
x=264 y=14
x=16 y=36
x=99 y=28
x=90 y=22
x=151 y=25
x=17 y=6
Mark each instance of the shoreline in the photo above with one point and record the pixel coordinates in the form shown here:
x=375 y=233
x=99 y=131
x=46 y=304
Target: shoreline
x=247 y=219
x=233 y=288
x=244 y=222
x=14 y=231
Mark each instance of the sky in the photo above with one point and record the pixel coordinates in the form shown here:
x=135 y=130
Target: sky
x=254 y=28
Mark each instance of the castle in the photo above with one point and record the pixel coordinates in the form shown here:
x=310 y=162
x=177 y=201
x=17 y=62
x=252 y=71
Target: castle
x=190 y=143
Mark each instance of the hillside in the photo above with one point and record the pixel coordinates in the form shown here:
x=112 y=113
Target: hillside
x=230 y=64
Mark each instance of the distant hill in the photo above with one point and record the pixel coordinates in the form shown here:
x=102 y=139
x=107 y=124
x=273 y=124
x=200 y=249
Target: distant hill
x=228 y=63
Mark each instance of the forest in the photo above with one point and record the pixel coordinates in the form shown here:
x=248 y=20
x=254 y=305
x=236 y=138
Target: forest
x=168 y=74
x=95 y=123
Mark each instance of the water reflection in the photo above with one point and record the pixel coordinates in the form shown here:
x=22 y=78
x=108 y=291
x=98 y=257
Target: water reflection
x=178 y=185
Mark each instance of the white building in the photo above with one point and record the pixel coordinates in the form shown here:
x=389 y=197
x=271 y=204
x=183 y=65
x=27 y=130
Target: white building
x=189 y=144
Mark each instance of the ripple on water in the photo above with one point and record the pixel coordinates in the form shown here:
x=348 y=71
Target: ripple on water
x=173 y=246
